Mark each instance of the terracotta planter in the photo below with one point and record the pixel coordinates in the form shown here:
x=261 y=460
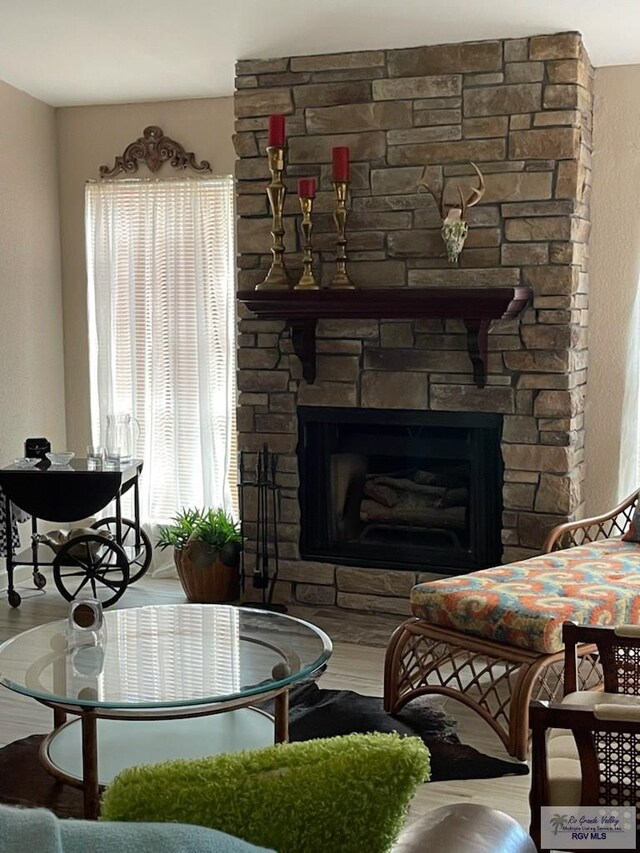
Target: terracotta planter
x=205 y=578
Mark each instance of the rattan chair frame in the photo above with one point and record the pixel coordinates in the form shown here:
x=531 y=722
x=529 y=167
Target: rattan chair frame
x=423 y=659
x=496 y=681
x=607 y=526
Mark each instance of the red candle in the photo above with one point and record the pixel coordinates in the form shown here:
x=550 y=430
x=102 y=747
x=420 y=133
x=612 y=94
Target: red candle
x=276 y=131
x=307 y=187
x=341 y=163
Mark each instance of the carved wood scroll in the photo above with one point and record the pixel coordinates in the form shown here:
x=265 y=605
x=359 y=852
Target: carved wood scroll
x=154 y=149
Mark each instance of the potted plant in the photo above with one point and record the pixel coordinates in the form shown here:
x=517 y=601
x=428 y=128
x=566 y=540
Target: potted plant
x=206 y=549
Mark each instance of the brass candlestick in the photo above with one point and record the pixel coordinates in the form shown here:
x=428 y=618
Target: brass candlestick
x=307 y=279
x=276 y=278
x=341 y=280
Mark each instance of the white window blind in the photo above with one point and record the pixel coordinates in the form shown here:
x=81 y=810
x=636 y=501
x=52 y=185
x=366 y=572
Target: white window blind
x=160 y=263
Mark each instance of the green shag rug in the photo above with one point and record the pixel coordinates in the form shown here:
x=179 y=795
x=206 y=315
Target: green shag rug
x=346 y=794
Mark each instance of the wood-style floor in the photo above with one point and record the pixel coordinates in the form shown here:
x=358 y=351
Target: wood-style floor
x=357 y=664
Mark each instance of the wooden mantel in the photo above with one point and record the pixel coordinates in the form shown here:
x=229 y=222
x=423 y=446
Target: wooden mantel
x=476 y=307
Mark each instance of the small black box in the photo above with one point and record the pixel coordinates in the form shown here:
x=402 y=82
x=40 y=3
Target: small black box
x=36 y=448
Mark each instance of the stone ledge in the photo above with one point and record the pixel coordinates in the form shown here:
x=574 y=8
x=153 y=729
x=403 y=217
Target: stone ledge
x=388 y=582
x=373 y=603
x=308 y=572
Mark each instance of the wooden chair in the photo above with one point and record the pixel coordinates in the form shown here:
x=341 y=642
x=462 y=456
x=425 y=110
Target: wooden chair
x=618 y=651
x=585 y=750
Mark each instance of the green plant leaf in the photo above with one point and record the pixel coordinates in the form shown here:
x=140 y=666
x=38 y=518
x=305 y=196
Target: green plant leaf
x=213 y=526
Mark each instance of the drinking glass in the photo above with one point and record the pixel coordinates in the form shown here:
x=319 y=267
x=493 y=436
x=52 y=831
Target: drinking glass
x=95 y=457
x=114 y=458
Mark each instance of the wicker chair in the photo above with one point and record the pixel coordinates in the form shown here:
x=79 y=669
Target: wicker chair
x=584 y=750
x=494 y=679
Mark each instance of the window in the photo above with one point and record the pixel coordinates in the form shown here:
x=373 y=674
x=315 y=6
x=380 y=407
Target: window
x=160 y=263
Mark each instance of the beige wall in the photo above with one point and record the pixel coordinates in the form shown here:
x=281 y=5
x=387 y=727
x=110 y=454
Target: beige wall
x=87 y=138
x=31 y=350
x=614 y=323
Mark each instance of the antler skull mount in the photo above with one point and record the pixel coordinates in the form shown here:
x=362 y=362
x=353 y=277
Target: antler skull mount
x=454 y=223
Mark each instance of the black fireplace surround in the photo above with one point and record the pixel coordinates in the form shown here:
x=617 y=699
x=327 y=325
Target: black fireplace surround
x=399 y=489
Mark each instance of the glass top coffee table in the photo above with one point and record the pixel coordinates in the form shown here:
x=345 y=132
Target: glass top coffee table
x=157 y=683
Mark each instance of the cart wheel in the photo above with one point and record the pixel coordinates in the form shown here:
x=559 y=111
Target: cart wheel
x=139 y=561
x=39 y=580
x=14 y=599
x=93 y=565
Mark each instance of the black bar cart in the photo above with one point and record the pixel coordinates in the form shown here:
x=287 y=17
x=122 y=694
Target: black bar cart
x=104 y=562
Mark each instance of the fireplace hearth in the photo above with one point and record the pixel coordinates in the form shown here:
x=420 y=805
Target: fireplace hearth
x=400 y=489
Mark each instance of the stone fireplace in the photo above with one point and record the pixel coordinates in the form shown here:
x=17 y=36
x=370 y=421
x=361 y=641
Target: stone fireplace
x=520 y=109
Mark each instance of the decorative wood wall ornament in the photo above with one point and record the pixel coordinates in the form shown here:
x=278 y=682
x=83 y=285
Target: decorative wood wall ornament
x=154 y=149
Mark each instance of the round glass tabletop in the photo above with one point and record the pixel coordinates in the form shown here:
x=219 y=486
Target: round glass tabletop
x=164 y=656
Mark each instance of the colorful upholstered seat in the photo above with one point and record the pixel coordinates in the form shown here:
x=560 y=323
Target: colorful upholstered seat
x=524 y=604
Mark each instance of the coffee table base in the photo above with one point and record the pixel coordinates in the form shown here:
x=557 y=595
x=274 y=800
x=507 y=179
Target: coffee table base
x=127 y=743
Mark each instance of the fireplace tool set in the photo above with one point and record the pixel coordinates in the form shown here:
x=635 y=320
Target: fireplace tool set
x=267 y=557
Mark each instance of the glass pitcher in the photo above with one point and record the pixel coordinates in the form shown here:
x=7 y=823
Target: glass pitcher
x=122 y=434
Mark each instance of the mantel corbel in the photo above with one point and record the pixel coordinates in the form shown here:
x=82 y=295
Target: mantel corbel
x=303 y=338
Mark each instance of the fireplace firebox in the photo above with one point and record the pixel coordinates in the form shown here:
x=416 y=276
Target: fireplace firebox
x=400 y=489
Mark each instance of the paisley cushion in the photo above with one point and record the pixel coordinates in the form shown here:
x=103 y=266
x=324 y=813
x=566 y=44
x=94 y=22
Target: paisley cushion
x=524 y=604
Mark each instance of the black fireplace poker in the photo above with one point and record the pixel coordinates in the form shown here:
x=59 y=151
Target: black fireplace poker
x=265 y=571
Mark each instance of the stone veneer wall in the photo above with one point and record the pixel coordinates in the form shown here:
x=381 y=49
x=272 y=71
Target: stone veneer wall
x=521 y=109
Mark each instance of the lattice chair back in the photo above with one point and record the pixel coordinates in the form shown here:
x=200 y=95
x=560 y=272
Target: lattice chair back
x=611 y=525
x=616 y=754
x=607 y=740
x=618 y=656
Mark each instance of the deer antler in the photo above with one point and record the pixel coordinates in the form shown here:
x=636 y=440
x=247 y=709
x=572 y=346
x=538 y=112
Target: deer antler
x=476 y=192
x=474 y=196
x=439 y=199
